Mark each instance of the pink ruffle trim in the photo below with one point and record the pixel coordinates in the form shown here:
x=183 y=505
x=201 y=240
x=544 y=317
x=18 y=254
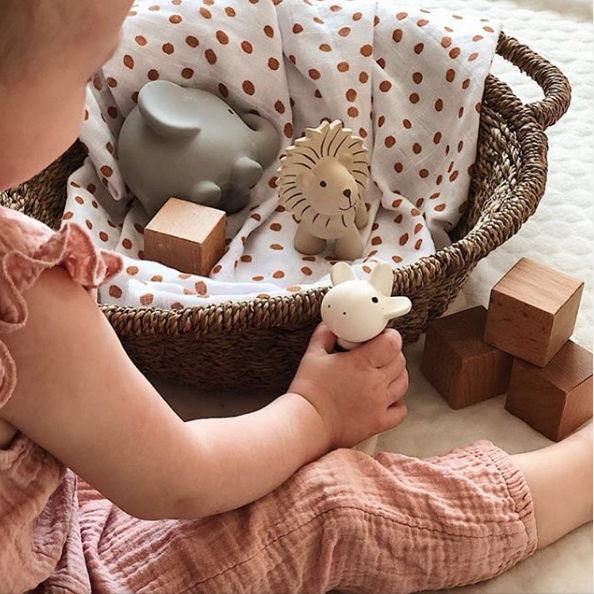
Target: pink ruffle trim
x=70 y=248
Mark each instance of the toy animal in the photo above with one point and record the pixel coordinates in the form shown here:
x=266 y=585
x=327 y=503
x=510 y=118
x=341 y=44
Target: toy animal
x=190 y=144
x=321 y=179
x=358 y=310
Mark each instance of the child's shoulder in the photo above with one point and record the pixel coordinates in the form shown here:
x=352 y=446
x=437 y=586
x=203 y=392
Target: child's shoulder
x=29 y=246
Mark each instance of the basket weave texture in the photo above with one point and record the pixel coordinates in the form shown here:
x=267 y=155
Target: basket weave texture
x=259 y=343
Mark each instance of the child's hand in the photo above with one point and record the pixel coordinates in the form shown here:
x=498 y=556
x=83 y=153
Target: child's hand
x=358 y=393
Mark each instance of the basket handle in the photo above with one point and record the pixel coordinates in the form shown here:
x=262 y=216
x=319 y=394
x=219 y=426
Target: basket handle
x=552 y=81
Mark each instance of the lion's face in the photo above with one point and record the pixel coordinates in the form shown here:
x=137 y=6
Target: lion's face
x=330 y=188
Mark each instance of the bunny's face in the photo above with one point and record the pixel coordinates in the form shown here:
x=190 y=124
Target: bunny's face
x=357 y=311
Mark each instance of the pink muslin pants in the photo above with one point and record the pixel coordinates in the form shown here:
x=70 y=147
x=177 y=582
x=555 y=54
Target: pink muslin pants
x=388 y=523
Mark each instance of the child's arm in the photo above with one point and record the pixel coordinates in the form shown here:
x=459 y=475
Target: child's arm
x=81 y=398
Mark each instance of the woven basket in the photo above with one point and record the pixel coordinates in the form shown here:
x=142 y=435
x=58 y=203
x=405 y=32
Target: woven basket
x=259 y=343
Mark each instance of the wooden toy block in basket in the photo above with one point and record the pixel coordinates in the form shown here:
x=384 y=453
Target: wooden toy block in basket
x=259 y=343
x=186 y=236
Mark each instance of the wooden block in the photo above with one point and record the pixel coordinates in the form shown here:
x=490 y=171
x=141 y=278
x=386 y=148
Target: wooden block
x=555 y=399
x=459 y=365
x=532 y=311
x=186 y=236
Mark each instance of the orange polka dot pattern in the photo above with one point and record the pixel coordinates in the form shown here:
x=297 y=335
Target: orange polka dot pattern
x=408 y=81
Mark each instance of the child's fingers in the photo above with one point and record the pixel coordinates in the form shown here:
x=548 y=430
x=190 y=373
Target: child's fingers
x=395 y=368
x=382 y=350
x=398 y=388
x=395 y=415
x=322 y=340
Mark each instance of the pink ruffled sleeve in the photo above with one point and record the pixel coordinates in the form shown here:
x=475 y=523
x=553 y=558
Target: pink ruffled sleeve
x=27 y=248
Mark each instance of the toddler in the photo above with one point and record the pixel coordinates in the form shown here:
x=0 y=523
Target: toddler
x=104 y=489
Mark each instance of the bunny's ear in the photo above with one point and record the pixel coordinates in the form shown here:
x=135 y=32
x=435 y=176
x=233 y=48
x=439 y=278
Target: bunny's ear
x=170 y=110
x=342 y=272
x=381 y=278
x=397 y=306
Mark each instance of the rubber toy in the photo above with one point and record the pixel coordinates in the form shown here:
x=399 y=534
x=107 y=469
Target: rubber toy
x=189 y=144
x=322 y=179
x=358 y=310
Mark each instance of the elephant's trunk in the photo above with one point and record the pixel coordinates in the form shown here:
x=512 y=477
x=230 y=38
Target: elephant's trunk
x=266 y=139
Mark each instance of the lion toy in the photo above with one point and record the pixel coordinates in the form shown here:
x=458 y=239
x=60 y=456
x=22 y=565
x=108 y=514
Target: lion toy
x=358 y=310
x=321 y=180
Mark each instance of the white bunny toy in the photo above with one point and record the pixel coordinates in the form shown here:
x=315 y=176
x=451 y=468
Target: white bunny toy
x=358 y=310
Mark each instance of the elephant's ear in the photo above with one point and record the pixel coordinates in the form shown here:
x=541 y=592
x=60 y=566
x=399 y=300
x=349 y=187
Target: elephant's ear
x=342 y=272
x=170 y=110
x=382 y=278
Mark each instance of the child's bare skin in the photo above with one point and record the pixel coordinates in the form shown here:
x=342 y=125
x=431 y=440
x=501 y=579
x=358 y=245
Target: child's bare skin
x=560 y=481
x=80 y=397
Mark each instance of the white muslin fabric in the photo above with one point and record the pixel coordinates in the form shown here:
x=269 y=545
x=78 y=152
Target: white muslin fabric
x=409 y=81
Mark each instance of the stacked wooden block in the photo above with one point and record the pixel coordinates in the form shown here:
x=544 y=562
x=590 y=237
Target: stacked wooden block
x=520 y=345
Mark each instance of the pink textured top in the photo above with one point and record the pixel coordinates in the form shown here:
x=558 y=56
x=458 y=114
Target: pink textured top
x=37 y=493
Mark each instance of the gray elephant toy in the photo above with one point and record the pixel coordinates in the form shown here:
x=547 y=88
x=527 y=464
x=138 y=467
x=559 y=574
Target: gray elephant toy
x=190 y=144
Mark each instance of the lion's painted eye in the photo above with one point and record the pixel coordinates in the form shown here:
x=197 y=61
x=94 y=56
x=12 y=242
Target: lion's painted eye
x=375 y=299
x=323 y=184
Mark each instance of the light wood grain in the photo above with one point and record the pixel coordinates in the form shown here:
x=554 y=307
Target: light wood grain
x=185 y=236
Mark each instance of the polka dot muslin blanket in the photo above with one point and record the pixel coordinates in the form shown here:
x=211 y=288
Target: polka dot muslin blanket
x=409 y=81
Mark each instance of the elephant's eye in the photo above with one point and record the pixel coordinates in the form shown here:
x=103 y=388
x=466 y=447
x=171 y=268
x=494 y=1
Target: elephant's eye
x=230 y=111
x=375 y=299
x=323 y=184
